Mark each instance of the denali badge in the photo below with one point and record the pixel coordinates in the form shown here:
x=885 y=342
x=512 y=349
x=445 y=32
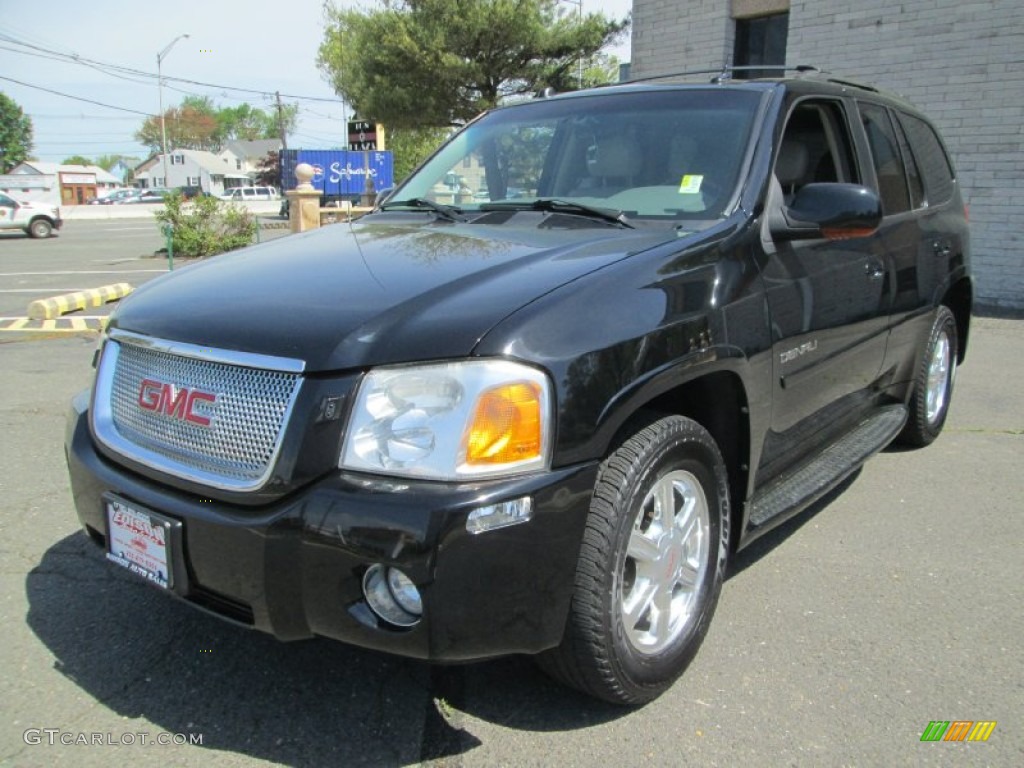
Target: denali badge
x=792 y=354
x=176 y=402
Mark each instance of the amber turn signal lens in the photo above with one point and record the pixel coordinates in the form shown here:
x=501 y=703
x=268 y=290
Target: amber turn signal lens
x=506 y=425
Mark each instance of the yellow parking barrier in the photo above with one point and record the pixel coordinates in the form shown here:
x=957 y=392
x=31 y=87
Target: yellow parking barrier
x=48 y=309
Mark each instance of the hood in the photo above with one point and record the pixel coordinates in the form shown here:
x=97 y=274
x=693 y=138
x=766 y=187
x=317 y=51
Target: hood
x=389 y=288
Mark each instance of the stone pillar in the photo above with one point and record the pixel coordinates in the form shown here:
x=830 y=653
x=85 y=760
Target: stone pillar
x=303 y=201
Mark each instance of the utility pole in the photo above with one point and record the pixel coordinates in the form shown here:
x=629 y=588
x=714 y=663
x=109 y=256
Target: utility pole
x=160 y=88
x=280 y=121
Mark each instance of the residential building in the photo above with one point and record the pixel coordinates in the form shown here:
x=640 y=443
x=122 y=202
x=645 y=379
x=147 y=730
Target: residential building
x=192 y=168
x=957 y=60
x=247 y=155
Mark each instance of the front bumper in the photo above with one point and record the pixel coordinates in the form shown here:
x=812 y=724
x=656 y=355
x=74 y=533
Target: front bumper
x=294 y=568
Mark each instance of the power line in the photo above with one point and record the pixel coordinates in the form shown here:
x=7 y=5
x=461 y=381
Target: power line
x=76 y=98
x=80 y=116
x=104 y=67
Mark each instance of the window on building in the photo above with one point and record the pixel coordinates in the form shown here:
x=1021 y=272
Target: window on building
x=760 y=40
x=177 y=159
x=192 y=181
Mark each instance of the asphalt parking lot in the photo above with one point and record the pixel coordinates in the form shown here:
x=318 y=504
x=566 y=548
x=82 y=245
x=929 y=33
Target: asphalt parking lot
x=838 y=638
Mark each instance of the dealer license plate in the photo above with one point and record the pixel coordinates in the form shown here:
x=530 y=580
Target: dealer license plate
x=139 y=541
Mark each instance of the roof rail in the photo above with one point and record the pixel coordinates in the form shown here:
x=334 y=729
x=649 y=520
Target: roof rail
x=852 y=83
x=725 y=72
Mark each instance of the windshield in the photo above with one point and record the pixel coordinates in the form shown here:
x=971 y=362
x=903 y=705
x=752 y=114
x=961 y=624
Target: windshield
x=661 y=156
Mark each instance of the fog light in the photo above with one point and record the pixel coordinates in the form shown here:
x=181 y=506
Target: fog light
x=392 y=596
x=500 y=515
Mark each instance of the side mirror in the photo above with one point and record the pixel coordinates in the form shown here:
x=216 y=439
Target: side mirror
x=383 y=195
x=831 y=211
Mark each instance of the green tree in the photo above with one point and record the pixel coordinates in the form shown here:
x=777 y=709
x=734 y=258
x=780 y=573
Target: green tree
x=602 y=69
x=198 y=123
x=77 y=160
x=411 y=146
x=412 y=63
x=15 y=134
x=188 y=127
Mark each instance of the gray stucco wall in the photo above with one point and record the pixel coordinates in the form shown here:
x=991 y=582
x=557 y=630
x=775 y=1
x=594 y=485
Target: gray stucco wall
x=960 y=62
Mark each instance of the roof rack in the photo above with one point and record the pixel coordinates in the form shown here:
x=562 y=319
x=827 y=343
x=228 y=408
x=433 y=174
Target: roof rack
x=852 y=83
x=725 y=72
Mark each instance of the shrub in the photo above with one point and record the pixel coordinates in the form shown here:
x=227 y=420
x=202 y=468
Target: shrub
x=206 y=226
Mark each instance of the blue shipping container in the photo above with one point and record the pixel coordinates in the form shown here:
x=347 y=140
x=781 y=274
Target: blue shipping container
x=339 y=171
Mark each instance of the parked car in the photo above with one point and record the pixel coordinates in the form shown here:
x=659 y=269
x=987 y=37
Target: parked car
x=114 y=196
x=191 y=192
x=34 y=219
x=545 y=424
x=151 y=195
x=244 y=194
x=130 y=196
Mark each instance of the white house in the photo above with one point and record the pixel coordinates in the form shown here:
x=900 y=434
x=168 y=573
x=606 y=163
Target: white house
x=247 y=155
x=192 y=168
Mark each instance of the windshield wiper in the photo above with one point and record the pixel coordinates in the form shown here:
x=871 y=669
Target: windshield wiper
x=449 y=212
x=555 y=205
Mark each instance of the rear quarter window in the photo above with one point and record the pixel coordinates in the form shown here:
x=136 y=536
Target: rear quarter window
x=885 y=153
x=932 y=160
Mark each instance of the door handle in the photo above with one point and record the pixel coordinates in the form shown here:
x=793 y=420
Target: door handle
x=941 y=249
x=874 y=270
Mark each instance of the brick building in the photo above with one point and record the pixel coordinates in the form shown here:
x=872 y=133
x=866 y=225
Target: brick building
x=959 y=61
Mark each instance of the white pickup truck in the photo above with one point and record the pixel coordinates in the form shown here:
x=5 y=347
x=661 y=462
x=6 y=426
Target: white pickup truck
x=35 y=219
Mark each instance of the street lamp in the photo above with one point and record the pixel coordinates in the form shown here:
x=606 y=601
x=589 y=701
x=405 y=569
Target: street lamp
x=160 y=87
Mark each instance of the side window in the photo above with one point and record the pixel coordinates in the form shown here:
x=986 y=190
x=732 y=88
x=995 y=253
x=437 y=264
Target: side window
x=885 y=153
x=914 y=183
x=815 y=147
x=935 y=167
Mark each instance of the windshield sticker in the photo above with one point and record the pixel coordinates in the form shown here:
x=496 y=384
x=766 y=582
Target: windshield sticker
x=690 y=185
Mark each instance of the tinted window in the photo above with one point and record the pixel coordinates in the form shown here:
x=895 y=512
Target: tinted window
x=892 y=183
x=914 y=182
x=931 y=158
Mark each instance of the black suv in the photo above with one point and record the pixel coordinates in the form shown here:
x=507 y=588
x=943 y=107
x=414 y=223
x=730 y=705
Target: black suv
x=477 y=423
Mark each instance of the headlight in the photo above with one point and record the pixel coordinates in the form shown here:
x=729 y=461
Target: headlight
x=451 y=421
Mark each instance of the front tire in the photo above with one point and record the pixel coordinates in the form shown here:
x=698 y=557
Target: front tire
x=40 y=228
x=650 y=567
x=933 y=385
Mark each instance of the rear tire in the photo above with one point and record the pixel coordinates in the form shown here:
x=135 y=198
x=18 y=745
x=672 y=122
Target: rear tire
x=933 y=385
x=40 y=228
x=650 y=567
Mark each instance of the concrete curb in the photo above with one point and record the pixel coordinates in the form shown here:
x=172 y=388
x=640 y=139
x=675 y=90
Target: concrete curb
x=48 y=309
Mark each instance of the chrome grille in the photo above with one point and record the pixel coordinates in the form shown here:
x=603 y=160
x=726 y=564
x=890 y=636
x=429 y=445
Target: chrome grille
x=235 y=450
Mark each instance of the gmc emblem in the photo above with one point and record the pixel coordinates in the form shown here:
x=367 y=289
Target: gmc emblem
x=176 y=402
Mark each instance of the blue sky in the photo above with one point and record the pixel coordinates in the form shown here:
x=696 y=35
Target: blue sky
x=254 y=44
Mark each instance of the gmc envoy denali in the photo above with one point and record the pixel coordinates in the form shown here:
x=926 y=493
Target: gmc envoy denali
x=536 y=411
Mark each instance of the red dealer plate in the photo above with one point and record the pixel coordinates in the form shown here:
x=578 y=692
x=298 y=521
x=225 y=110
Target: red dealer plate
x=139 y=541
